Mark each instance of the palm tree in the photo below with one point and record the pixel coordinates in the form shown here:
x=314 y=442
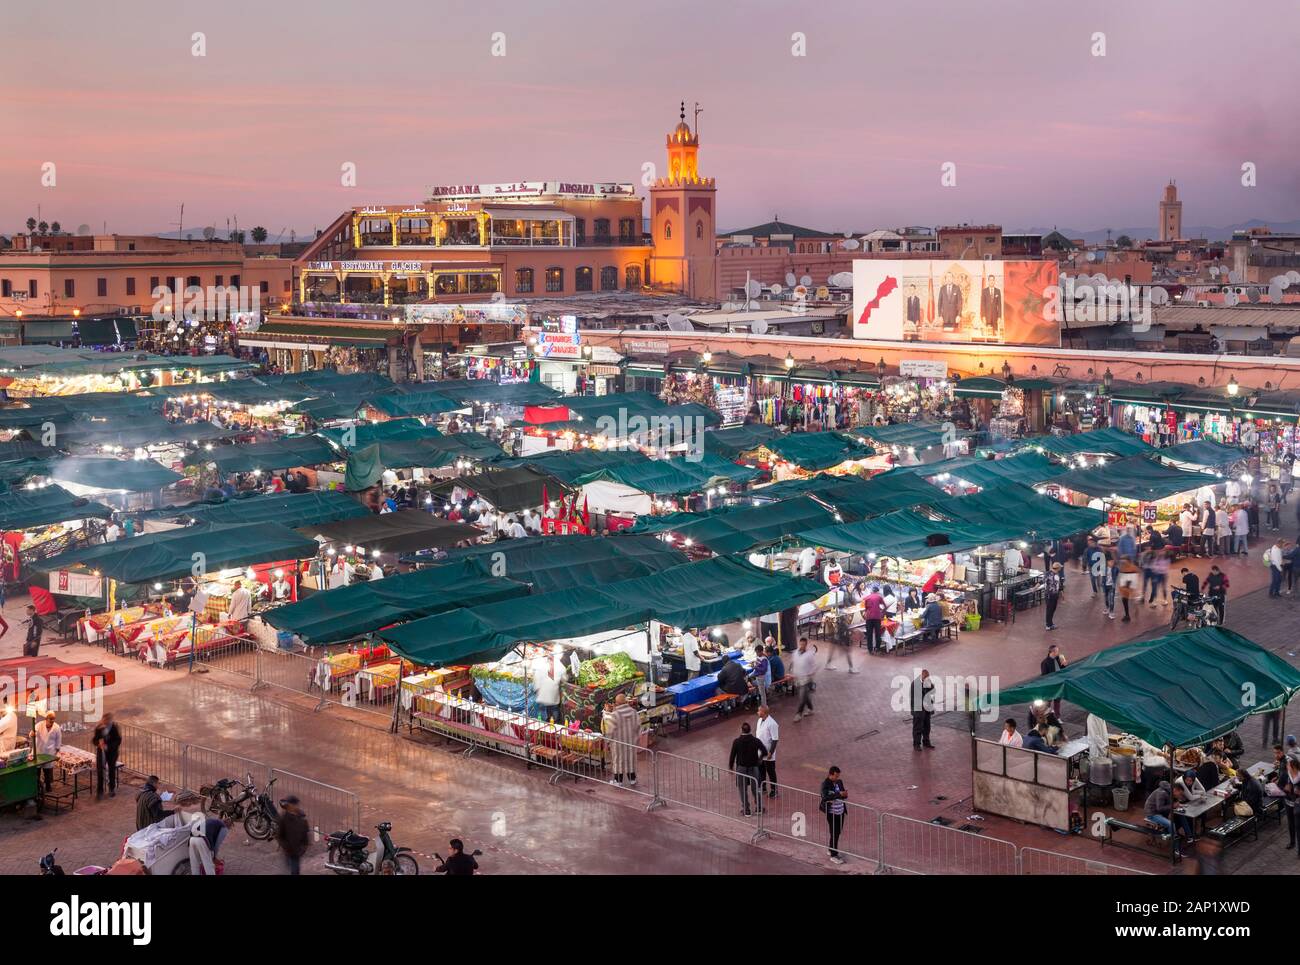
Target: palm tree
x=1123 y=241
x=31 y=225
x=43 y=227
x=259 y=235
x=56 y=227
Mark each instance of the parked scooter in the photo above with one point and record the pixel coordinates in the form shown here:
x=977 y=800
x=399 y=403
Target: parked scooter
x=352 y=854
x=49 y=868
x=263 y=819
x=256 y=810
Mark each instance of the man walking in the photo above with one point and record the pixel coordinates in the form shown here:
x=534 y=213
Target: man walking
x=292 y=833
x=1053 y=586
x=107 y=739
x=922 y=710
x=804 y=667
x=747 y=755
x=35 y=627
x=1054 y=661
x=1274 y=558
x=768 y=733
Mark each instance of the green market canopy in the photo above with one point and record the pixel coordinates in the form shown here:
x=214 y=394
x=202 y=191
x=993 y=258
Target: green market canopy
x=697 y=594
x=751 y=526
x=508 y=490
x=287 y=509
x=813 y=451
x=428 y=402
x=28 y=508
x=663 y=477
x=906 y=534
x=365 y=467
x=711 y=467
x=856 y=496
x=487 y=392
x=571 y=465
x=287 y=453
x=1180 y=690
x=173 y=554
x=1204 y=454
x=404 y=531
x=1133 y=478
x=108 y=473
x=1020 y=512
x=905 y=435
x=1027 y=468
x=392 y=430
x=552 y=563
x=732 y=443
x=1105 y=442
x=352 y=611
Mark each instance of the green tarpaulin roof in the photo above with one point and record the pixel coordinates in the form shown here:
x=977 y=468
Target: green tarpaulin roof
x=905 y=534
x=572 y=465
x=561 y=562
x=713 y=467
x=1026 y=468
x=404 y=531
x=905 y=435
x=287 y=509
x=508 y=490
x=1020 y=512
x=1107 y=442
x=27 y=508
x=663 y=477
x=351 y=611
x=697 y=594
x=360 y=436
x=855 y=497
x=1133 y=478
x=751 y=526
x=819 y=450
x=105 y=472
x=487 y=392
x=173 y=554
x=1205 y=453
x=731 y=443
x=430 y=402
x=1184 y=689
x=978 y=388
x=365 y=467
x=286 y=453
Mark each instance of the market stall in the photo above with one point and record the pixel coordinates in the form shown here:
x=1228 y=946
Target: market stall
x=41 y=522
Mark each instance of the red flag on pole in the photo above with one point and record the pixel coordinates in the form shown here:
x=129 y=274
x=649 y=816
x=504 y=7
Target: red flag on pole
x=586 y=512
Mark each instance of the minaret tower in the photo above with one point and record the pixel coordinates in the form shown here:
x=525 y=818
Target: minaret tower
x=682 y=219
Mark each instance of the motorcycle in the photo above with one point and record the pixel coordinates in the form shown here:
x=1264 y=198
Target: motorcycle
x=351 y=854
x=1199 y=612
x=256 y=810
x=49 y=869
x=476 y=853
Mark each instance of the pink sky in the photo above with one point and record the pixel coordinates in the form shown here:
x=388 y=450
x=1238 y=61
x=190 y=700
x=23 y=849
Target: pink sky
x=850 y=137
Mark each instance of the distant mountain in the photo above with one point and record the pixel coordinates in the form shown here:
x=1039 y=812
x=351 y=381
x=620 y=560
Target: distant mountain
x=1223 y=233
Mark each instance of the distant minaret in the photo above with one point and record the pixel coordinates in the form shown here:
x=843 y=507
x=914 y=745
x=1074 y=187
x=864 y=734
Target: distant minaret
x=1171 y=214
x=682 y=217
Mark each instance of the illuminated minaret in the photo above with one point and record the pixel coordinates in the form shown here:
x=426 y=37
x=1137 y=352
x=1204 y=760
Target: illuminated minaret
x=682 y=218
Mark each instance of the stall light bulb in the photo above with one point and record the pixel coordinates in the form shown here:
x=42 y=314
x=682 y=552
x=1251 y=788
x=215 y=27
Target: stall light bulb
x=374 y=554
x=348 y=548
x=747 y=624
x=688 y=542
x=157 y=586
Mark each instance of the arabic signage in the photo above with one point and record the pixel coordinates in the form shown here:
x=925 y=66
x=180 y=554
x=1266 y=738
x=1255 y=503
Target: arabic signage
x=922 y=369
x=531 y=189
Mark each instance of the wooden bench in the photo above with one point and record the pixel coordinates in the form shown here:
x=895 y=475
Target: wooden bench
x=1152 y=834
x=718 y=704
x=783 y=686
x=1234 y=830
x=923 y=634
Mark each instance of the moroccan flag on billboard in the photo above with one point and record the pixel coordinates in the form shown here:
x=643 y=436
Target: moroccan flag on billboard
x=929 y=304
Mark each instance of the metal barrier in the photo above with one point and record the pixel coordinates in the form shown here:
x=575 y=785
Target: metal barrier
x=918 y=847
x=328 y=808
x=205 y=766
x=705 y=787
x=795 y=815
x=305 y=674
x=606 y=761
x=1034 y=861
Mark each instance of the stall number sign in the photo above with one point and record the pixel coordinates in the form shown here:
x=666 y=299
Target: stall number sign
x=1053 y=490
x=1148 y=512
x=1117 y=518
x=76 y=584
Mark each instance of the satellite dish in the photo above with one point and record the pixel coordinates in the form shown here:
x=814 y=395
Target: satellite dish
x=209 y=233
x=758 y=326
x=729 y=307
x=1275 y=293
x=790 y=279
x=1293 y=277
x=1230 y=298
x=851 y=244
x=661 y=319
x=805 y=280
x=842 y=279
x=753 y=289
x=1214 y=271
x=1091 y=256
x=1281 y=281
x=36 y=248
x=823 y=292
x=1253 y=295
x=83 y=229
x=1234 y=277
x=677 y=322
x=1159 y=296
x=775 y=290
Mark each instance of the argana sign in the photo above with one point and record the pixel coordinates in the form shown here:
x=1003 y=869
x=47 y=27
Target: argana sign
x=530 y=189
x=934 y=300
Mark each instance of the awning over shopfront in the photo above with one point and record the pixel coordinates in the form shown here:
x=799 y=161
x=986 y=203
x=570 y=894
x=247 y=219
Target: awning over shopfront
x=732 y=443
x=1203 y=454
x=1180 y=690
x=113 y=475
x=814 y=451
x=352 y=611
x=1099 y=442
x=173 y=554
x=404 y=531
x=1134 y=478
x=552 y=563
x=287 y=509
x=696 y=594
x=748 y=527
x=508 y=490
x=286 y=453
x=29 y=508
